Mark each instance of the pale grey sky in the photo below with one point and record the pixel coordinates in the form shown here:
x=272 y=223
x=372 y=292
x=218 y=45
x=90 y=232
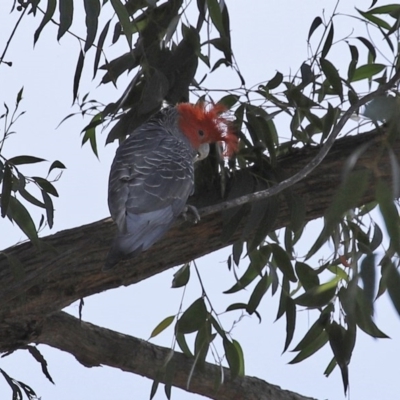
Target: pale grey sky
x=267 y=36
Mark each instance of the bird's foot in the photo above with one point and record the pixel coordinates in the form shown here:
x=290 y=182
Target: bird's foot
x=191 y=214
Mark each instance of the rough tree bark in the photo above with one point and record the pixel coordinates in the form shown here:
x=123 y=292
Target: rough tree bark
x=69 y=267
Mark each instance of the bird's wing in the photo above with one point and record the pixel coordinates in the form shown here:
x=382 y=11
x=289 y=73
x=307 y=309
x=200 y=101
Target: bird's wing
x=151 y=173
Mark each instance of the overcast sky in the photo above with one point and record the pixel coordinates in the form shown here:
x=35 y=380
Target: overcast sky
x=266 y=37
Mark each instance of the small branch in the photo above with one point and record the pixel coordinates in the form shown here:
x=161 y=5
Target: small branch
x=11 y=37
x=94 y=346
x=264 y=194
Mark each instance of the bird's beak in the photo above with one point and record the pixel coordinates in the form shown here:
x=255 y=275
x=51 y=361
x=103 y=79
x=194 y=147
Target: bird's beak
x=202 y=152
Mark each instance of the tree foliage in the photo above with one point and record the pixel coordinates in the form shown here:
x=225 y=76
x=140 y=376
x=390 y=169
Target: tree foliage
x=161 y=46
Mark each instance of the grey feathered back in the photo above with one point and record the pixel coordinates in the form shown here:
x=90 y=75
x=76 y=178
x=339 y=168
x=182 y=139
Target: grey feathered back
x=150 y=180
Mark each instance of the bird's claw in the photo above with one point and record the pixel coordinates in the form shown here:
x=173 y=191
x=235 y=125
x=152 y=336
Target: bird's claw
x=194 y=217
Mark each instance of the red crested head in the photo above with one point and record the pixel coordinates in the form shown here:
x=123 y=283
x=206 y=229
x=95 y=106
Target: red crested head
x=203 y=123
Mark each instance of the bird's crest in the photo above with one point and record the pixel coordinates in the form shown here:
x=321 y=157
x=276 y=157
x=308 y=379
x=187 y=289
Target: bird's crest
x=209 y=120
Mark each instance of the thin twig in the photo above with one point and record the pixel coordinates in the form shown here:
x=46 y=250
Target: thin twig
x=11 y=36
x=264 y=194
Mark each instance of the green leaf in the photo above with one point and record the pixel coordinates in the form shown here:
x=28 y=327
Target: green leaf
x=257 y=263
x=308 y=276
x=217 y=326
x=315 y=24
x=193 y=318
x=368 y=277
x=234 y=356
x=124 y=20
x=18 y=160
x=282 y=261
x=66 y=8
x=51 y=7
x=202 y=343
x=45 y=185
x=342 y=343
x=78 y=74
x=367 y=71
x=19 y=96
x=369 y=46
x=353 y=63
x=92 y=10
x=389 y=213
x=164 y=324
x=56 y=164
x=391 y=9
x=290 y=321
x=49 y=208
x=372 y=18
x=333 y=77
x=275 y=81
x=377 y=238
x=315 y=331
x=318 y=296
x=90 y=133
x=181 y=277
x=258 y=293
x=283 y=298
x=229 y=101
x=99 y=47
x=347 y=197
x=328 y=42
x=28 y=197
x=181 y=340
x=18 y=213
x=393 y=285
x=216 y=16
x=237 y=250
x=154 y=388
x=6 y=190
x=319 y=342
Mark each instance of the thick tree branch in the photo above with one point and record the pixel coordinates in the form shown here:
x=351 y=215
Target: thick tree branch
x=93 y=346
x=69 y=266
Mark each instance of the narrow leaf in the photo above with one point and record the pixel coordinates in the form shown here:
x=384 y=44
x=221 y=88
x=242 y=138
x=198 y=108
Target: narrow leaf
x=78 y=74
x=367 y=71
x=18 y=160
x=92 y=10
x=315 y=24
x=18 y=213
x=56 y=164
x=66 y=8
x=192 y=319
x=328 y=42
x=124 y=20
x=389 y=213
x=258 y=293
x=333 y=77
x=164 y=324
x=45 y=185
x=181 y=277
x=312 y=348
x=393 y=285
x=37 y=355
x=282 y=261
x=99 y=47
x=216 y=15
x=49 y=208
x=51 y=7
x=6 y=190
x=290 y=321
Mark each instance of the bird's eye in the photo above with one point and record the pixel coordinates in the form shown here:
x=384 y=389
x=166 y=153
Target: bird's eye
x=201 y=133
